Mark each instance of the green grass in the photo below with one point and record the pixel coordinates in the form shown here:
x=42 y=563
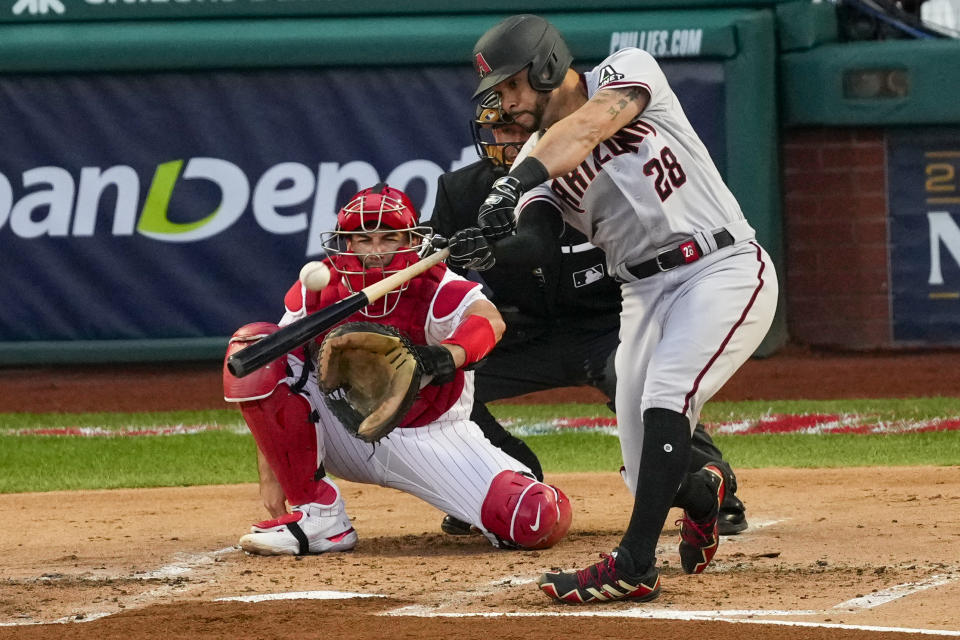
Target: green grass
x=887 y=409
x=221 y=417
x=565 y=452
x=47 y=463
x=883 y=409
x=44 y=463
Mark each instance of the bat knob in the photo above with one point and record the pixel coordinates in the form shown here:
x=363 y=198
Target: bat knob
x=236 y=368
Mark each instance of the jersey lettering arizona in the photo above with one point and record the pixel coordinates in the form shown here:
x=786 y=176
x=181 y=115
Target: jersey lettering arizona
x=652 y=185
x=571 y=187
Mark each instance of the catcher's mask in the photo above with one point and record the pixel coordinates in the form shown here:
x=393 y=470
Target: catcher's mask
x=378 y=210
x=495 y=135
x=517 y=42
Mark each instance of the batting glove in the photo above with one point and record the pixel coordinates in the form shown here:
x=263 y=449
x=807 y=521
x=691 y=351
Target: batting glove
x=496 y=216
x=469 y=249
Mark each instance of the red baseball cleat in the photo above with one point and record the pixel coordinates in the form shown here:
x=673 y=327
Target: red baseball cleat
x=601 y=582
x=699 y=539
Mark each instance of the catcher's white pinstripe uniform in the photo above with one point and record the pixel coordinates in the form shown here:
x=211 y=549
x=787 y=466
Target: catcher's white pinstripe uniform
x=435 y=452
x=449 y=463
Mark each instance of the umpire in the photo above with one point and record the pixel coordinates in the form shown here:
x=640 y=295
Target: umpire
x=562 y=318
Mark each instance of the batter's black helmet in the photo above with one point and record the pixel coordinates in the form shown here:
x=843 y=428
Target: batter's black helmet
x=517 y=42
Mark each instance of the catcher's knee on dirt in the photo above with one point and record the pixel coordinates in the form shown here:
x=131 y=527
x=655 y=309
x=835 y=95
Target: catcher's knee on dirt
x=530 y=514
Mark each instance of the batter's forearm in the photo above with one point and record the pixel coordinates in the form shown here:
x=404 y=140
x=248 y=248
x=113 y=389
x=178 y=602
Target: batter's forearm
x=563 y=147
x=570 y=140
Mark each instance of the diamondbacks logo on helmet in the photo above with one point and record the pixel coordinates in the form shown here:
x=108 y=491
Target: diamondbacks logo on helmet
x=518 y=42
x=480 y=63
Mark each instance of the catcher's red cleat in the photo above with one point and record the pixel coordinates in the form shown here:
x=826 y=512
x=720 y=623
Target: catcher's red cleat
x=699 y=539
x=601 y=582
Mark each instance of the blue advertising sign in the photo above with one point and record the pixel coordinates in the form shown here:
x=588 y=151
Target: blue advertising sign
x=923 y=174
x=182 y=205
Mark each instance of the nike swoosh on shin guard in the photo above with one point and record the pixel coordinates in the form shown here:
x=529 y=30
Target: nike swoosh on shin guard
x=536 y=524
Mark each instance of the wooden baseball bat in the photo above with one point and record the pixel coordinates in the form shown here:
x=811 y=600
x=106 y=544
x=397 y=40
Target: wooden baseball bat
x=302 y=331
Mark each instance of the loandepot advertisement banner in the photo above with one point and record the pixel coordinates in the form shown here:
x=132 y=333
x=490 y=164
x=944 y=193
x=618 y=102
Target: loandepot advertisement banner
x=182 y=205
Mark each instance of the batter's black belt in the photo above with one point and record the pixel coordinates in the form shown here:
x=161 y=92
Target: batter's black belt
x=686 y=253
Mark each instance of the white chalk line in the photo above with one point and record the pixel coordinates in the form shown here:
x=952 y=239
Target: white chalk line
x=895 y=592
x=665 y=614
x=300 y=595
x=745 y=616
x=186 y=564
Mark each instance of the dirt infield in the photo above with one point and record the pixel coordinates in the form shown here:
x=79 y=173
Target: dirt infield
x=832 y=553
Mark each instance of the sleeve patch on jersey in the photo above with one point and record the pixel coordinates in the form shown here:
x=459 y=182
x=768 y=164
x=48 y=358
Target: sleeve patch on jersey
x=451 y=295
x=607 y=75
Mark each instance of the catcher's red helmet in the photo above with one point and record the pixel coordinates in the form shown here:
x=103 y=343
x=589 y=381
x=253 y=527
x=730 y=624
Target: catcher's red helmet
x=375 y=210
x=377 y=207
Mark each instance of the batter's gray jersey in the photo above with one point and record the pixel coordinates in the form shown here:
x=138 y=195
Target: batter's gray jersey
x=649 y=186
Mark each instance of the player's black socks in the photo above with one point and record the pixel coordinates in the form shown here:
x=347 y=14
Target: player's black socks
x=697 y=495
x=703 y=449
x=698 y=458
x=664 y=462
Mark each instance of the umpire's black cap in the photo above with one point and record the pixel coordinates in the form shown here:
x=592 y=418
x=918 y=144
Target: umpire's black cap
x=516 y=42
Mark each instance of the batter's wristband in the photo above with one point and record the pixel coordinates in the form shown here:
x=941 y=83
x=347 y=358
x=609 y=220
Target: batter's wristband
x=475 y=335
x=530 y=173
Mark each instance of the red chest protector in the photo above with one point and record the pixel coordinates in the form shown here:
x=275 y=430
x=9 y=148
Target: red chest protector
x=410 y=317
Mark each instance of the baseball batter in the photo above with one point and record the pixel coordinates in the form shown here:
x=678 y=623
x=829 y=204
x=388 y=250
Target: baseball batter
x=620 y=162
x=563 y=318
x=436 y=453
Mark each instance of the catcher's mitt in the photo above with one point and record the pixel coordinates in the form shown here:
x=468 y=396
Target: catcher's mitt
x=370 y=376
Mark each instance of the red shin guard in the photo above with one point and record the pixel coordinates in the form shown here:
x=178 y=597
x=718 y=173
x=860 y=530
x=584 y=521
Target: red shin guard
x=281 y=425
x=531 y=514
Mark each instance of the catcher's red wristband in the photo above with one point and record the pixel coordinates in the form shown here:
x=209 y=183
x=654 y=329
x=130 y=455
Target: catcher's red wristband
x=475 y=335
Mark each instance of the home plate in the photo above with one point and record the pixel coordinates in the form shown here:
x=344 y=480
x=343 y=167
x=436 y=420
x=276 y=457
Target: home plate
x=300 y=595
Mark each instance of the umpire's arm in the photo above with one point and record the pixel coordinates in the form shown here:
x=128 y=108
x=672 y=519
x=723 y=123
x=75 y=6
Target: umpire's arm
x=536 y=242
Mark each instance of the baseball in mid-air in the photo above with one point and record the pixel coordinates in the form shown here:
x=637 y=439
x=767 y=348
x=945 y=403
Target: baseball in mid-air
x=315 y=275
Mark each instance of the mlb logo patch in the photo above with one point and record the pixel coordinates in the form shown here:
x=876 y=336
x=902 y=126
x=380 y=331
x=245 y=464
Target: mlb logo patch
x=588 y=275
x=481 y=65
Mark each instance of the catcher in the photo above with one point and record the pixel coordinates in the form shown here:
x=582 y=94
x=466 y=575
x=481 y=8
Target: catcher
x=330 y=408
